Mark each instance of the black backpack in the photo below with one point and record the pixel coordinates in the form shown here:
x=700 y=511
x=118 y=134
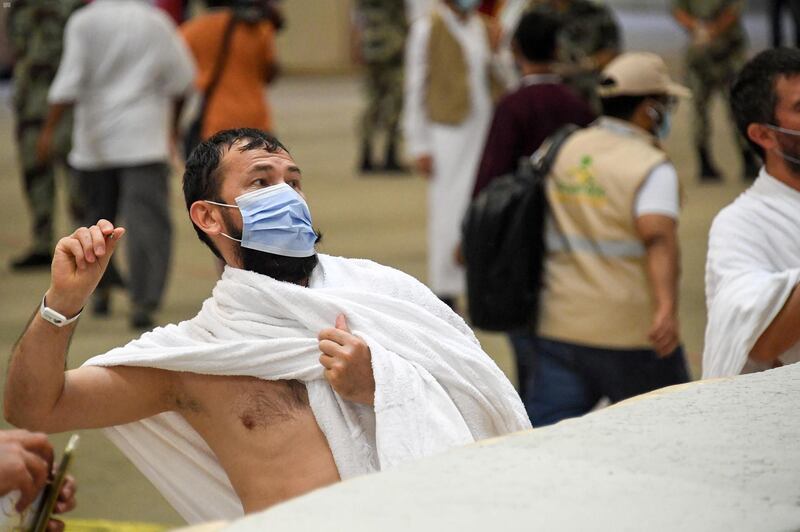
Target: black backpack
x=503 y=243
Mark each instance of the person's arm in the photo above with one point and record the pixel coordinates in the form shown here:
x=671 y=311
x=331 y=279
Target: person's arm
x=684 y=18
x=39 y=394
x=44 y=144
x=659 y=235
x=416 y=127
x=724 y=21
x=782 y=334
x=656 y=209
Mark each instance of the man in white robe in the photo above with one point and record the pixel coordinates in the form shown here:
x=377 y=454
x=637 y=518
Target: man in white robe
x=447 y=112
x=753 y=265
x=270 y=391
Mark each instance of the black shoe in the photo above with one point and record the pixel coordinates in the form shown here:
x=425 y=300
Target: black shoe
x=392 y=166
x=708 y=172
x=142 y=319
x=366 y=166
x=31 y=261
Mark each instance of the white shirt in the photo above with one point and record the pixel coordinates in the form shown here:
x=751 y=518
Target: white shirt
x=660 y=191
x=122 y=66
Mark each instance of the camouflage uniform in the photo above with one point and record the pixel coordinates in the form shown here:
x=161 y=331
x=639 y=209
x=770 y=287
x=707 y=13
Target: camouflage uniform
x=383 y=35
x=35 y=29
x=588 y=28
x=712 y=66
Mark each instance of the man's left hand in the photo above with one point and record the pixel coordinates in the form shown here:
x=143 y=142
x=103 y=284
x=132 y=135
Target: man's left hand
x=664 y=333
x=348 y=363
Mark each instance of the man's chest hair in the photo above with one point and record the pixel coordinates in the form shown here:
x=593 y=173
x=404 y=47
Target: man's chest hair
x=256 y=403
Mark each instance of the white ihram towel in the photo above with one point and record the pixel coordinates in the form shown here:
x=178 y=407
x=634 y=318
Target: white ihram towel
x=435 y=387
x=752 y=268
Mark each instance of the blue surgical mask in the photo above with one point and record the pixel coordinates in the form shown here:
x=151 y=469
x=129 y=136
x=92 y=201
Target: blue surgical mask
x=276 y=220
x=663 y=118
x=665 y=126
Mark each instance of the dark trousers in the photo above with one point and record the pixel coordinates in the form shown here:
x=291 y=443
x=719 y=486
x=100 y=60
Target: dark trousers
x=568 y=380
x=139 y=196
x=776 y=8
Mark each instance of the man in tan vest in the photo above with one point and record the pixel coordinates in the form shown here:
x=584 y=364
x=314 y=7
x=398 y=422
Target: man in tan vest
x=608 y=324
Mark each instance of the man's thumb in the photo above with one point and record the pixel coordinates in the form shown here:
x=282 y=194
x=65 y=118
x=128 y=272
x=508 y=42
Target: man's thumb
x=112 y=241
x=341 y=323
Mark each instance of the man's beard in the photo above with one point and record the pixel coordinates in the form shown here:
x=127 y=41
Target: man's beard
x=289 y=269
x=790 y=151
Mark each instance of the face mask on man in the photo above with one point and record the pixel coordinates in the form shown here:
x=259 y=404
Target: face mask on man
x=465 y=6
x=275 y=220
x=662 y=118
x=794 y=156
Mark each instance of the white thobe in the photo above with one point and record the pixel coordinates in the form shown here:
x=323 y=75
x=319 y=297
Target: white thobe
x=752 y=268
x=456 y=150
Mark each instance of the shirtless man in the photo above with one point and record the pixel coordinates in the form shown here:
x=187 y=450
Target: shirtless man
x=263 y=433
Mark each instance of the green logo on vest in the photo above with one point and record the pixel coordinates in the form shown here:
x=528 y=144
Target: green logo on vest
x=583 y=184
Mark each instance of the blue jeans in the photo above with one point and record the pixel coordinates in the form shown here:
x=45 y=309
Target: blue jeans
x=569 y=379
x=524 y=344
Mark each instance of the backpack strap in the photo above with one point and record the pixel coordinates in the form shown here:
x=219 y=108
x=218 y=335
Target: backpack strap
x=545 y=156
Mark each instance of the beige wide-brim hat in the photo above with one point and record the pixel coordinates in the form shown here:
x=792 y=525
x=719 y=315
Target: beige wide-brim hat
x=638 y=74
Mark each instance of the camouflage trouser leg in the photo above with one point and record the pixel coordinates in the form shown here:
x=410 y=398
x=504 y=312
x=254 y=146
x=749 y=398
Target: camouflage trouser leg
x=392 y=99
x=371 y=114
x=705 y=75
x=40 y=190
x=384 y=88
x=702 y=89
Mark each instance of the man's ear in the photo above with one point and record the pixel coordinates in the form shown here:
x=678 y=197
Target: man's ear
x=762 y=135
x=206 y=218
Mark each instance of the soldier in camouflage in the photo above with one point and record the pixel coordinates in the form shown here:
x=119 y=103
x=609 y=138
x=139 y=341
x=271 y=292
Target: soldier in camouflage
x=381 y=29
x=35 y=30
x=715 y=55
x=590 y=38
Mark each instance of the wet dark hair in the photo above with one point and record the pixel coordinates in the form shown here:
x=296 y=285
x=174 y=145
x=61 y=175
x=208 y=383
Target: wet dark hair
x=537 y=35
x=202 y=180
x=753 y=96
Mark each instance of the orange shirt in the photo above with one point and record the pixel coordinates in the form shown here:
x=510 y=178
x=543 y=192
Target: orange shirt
x=240 y=97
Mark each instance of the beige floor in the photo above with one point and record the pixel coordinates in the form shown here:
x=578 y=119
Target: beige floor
x=381 y=218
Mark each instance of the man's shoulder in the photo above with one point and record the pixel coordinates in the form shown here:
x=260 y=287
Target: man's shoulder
x=742 y=212
x=364 y=269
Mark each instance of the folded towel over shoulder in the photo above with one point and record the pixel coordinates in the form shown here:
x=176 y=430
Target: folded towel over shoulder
x=435 y=387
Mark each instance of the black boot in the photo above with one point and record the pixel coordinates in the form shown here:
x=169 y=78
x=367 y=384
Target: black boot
x=366 y=159
x=391 y=164
x=708 y=172
x=752 y=165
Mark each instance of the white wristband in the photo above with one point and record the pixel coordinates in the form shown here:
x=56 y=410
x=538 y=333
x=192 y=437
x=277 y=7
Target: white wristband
x=55 y=317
